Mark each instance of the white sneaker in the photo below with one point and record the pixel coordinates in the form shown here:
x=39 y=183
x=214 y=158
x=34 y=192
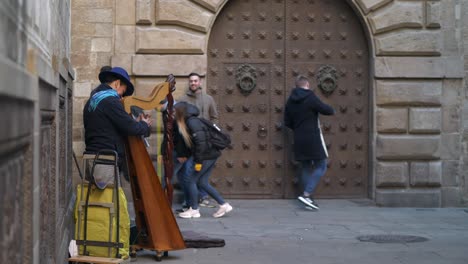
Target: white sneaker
x=190 y=213
x=223 y=209
x=308 y=202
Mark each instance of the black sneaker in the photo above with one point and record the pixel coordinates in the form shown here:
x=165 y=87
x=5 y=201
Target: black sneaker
x=308 y=202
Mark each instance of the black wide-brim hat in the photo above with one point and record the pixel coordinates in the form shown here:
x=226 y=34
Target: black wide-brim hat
x=122 y=75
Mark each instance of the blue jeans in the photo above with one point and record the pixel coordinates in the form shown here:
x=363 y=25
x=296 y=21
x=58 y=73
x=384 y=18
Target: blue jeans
x=182 y=171
x=312 y=171
x=201 y=179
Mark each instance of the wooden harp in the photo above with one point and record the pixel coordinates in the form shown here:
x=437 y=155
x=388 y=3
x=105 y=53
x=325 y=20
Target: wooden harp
x=157 y=227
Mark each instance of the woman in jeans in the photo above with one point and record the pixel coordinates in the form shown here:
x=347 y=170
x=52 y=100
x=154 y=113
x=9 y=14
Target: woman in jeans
x=196 y=138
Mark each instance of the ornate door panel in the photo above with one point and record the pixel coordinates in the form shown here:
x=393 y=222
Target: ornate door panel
x=256 y=49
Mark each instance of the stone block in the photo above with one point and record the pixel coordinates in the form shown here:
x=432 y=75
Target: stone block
x=409 y=43
x=145 y=12
x=465 y=114
x=78 y=104
x=78 y=134
x=183 y=13
x=426 y=174
x=102 y=58
x=163 y=65
x=452 y=91
x=419 y=67
x=433 y=14
x=408 y=198
x=101 y=45
x=125 y=12
x=451 y=197
x=125 y=39
x=391 y=174
x=80 y=45
x=425 y=120
x=98 y=15
x=416 y=93
x=156 y=40
x=450 y=146
x=80 y=59
x=92 y=3
x=104 y=30
x=398 y=16
x=450 y=173
x=144 y=86
x=81 y=89
x=407 y=147
x=83 y=29
x=122 y=60
x=392 y=120
x=371 y=5
x=78 y=121
x=212 y=5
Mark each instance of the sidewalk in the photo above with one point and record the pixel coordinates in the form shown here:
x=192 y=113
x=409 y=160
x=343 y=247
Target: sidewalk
x=281 y=231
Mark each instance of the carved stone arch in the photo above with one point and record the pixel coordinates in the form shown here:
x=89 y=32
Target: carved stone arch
x=359 y=9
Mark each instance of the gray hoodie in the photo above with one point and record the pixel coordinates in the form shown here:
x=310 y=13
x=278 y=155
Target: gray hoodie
x=204 y=102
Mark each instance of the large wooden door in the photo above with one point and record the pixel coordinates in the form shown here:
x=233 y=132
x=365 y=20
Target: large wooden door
x=255 y=51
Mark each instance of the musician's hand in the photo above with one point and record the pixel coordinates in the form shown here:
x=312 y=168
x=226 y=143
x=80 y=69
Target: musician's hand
x=198 y=167
x=145 y=118
x=181 y=159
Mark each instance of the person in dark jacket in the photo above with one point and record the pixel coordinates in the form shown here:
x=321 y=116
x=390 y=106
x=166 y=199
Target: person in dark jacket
x=196 y=137
x=302 y=116
x=205 y=103
x=105 y=121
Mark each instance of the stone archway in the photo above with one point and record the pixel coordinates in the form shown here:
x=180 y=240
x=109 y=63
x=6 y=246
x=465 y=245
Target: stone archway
x=277 y=40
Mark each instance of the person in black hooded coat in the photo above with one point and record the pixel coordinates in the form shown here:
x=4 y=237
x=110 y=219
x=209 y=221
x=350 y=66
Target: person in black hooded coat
x=302 y=116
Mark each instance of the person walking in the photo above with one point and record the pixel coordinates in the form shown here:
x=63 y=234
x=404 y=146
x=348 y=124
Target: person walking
x=205 y=103
x=302 y=117
x=197 y=139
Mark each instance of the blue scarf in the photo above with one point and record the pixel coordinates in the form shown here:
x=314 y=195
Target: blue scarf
x=99 y=96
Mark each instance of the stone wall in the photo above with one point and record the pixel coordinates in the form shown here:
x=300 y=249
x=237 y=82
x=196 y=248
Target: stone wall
x=35 y=140
x=418 y=87
x=462 y=178
x=417 y=78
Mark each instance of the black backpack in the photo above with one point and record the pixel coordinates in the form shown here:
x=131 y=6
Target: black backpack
x=218 y=138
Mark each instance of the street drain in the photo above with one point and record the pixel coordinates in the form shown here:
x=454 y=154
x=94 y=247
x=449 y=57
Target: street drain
x=391 y=239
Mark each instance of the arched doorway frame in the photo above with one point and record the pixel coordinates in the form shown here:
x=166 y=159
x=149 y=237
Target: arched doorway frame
x=372 y=134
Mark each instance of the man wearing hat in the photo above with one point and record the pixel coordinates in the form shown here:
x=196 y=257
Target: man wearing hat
x=105 y=121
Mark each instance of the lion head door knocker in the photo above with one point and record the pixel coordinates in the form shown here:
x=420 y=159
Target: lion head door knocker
x=327 y=79
x=246 y=78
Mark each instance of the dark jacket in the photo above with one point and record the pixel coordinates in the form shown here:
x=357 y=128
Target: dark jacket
x=180 y=148
x=108 y=125
x=201 y=149
x=301 y=115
